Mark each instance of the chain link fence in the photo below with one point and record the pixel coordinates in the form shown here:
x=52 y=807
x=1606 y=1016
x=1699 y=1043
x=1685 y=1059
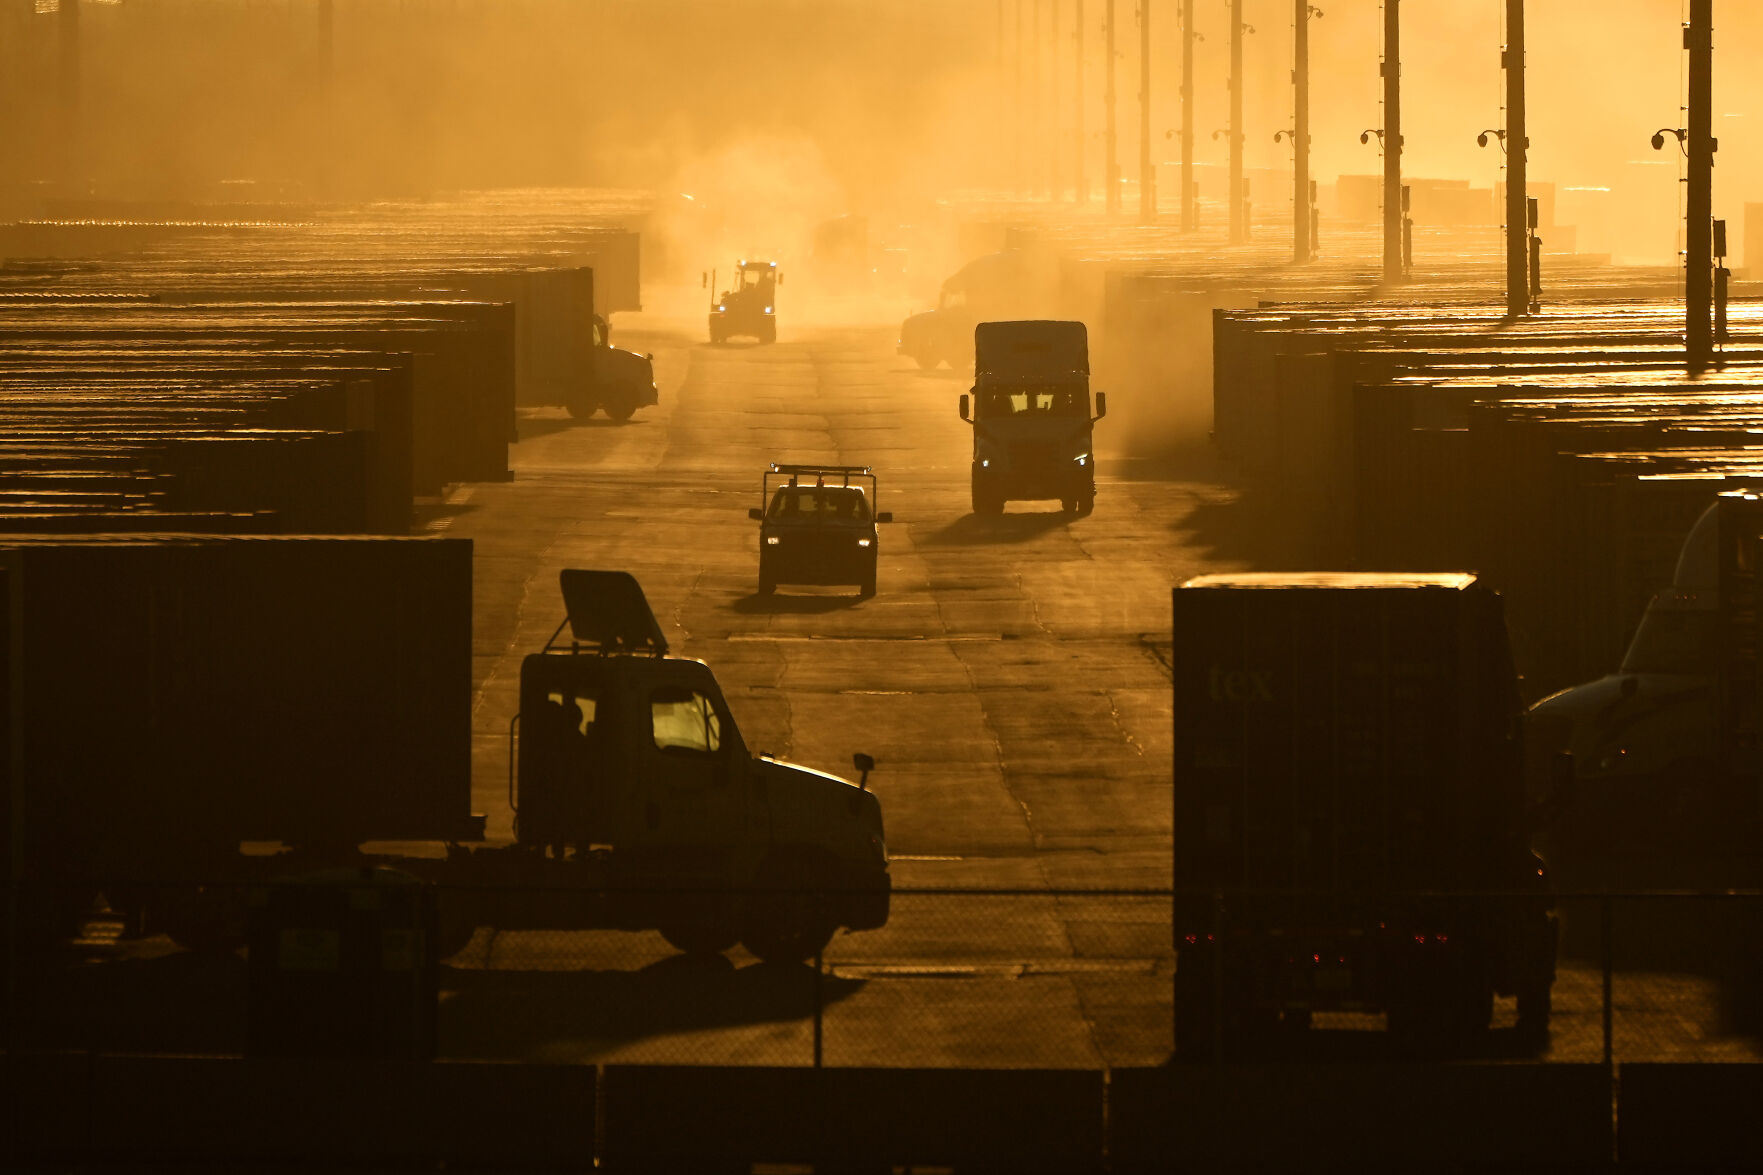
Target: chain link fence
x=956 y=978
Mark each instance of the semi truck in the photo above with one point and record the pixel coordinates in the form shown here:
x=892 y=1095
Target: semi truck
x=191 y=716
x=1030 y=414
x=1662 y=758
x=621 y=381
x=1009 y=284
x=1351 y=817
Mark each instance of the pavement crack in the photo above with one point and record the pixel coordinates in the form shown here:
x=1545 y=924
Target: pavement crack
x=1120 y=725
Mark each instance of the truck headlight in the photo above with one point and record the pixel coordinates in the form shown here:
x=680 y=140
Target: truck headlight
x=722 y=307
x=863 y=542
x=768 y=310
x=1083 y=458
x=771 y=540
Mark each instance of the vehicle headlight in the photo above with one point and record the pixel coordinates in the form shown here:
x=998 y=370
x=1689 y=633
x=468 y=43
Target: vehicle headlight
x=863 y=542
x=985 y=463
x=722 y=307
x=1083 y=458
x=771 y=540
x=768 y=310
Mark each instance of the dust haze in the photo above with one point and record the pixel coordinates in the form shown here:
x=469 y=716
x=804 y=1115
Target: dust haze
x=847 y=139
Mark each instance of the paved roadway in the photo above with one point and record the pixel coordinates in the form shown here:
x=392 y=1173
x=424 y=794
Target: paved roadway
x=1007 y=678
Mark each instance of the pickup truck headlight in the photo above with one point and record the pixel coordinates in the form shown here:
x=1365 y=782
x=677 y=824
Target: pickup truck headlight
x=771 y=540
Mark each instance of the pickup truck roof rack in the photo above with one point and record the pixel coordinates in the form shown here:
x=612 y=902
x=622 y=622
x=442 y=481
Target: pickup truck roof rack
x=845 y=472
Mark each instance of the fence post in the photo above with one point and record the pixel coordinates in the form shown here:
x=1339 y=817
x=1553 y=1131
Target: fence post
x=819 y=1003
x=1218 y=978
x=1607 y=915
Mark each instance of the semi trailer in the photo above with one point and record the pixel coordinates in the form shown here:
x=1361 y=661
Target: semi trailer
x=194 y=715
x=1351 y=816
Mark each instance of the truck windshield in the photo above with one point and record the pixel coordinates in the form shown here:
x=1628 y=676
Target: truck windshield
x=818 y=504
x=683 y=719
x=1033 y=401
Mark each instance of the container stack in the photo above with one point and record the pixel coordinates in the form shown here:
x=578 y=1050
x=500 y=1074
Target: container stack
x=286 y=369
x=1563 y=456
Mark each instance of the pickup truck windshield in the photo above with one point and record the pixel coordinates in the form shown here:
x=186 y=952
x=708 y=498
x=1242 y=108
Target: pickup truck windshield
x=1033 y=401
x=834 y=504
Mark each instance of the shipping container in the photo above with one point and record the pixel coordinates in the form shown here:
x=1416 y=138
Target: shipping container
x=174 y=696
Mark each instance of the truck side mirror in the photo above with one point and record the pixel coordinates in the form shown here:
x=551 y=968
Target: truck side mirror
x=756 y=514
x=864 y=764
x=1101 y=405
x=966 y=407
x=884 y=515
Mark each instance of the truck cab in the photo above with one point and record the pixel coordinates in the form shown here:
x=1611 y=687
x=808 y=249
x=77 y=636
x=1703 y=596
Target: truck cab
x=623 y=381
x=1658 y=763
x=1030 y=412
x=749 y=308
x=631 y=765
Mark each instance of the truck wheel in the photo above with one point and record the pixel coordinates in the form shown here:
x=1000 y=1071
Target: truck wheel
x=867 y=587
x=1195 y=1014
x=1444 y=1014
x=788 y=916
x=1069 y=505
x=581 y=407
x=1086 y=503
x=1534 y=1007
x=621 y=408
x=767 y=585
x=926 y=360
x=768 y=332
x=700 y=936
x=985 y=501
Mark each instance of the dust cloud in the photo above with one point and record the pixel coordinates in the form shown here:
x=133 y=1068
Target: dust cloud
x=871 y=147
